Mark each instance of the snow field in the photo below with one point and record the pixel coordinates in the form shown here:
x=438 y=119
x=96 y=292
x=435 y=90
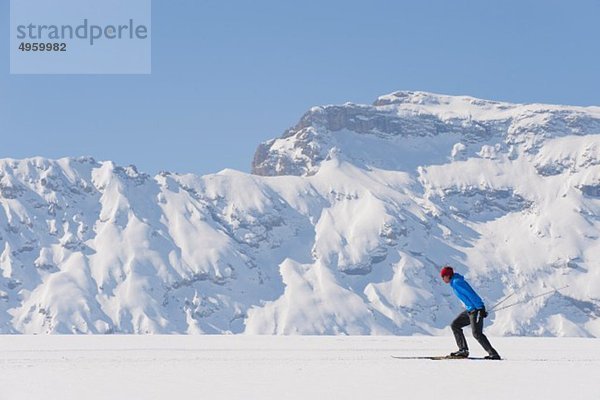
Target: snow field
x=292 y=367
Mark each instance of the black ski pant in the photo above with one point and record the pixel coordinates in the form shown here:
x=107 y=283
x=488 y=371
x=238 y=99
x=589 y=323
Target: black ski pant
x=475 y=319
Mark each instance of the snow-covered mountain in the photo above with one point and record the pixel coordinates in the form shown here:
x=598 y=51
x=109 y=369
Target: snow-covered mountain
x=340 y=229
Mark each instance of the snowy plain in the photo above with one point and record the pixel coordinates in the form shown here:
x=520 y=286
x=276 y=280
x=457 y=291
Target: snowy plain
x=291 y=367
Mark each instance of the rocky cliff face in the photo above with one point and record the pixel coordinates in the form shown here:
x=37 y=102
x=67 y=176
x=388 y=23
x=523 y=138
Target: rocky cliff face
x=340 y=230
x=402 y=119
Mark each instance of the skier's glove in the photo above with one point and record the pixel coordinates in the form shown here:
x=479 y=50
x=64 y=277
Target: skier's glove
x=479 y=314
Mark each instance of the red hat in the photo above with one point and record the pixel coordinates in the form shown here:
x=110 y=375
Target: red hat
x=447 y=271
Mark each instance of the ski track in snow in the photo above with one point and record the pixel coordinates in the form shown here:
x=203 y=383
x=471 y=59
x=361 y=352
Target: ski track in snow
x=293 y=367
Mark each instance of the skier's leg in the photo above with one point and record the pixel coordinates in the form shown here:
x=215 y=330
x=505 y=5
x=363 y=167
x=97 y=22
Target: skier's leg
x=460 y=322
x=476 y=320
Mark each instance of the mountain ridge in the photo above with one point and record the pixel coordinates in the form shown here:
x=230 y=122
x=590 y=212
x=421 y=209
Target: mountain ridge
x=340 y=230
x=412 y=115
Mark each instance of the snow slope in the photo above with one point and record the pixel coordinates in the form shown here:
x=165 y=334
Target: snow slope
x=340 y=230
x=298 y=367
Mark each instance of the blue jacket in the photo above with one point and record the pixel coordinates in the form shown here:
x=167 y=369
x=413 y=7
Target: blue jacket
x=465 y=293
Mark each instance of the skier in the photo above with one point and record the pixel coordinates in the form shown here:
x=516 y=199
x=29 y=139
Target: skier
x=474 y=315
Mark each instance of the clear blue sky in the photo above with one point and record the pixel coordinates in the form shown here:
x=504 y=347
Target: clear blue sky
x=228 y=75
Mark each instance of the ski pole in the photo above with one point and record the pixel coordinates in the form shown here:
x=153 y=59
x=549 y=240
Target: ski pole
x=502 y=301
x=531 y=298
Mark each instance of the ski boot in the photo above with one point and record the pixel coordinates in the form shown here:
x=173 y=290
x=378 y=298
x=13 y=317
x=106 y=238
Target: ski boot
x=462 y=353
